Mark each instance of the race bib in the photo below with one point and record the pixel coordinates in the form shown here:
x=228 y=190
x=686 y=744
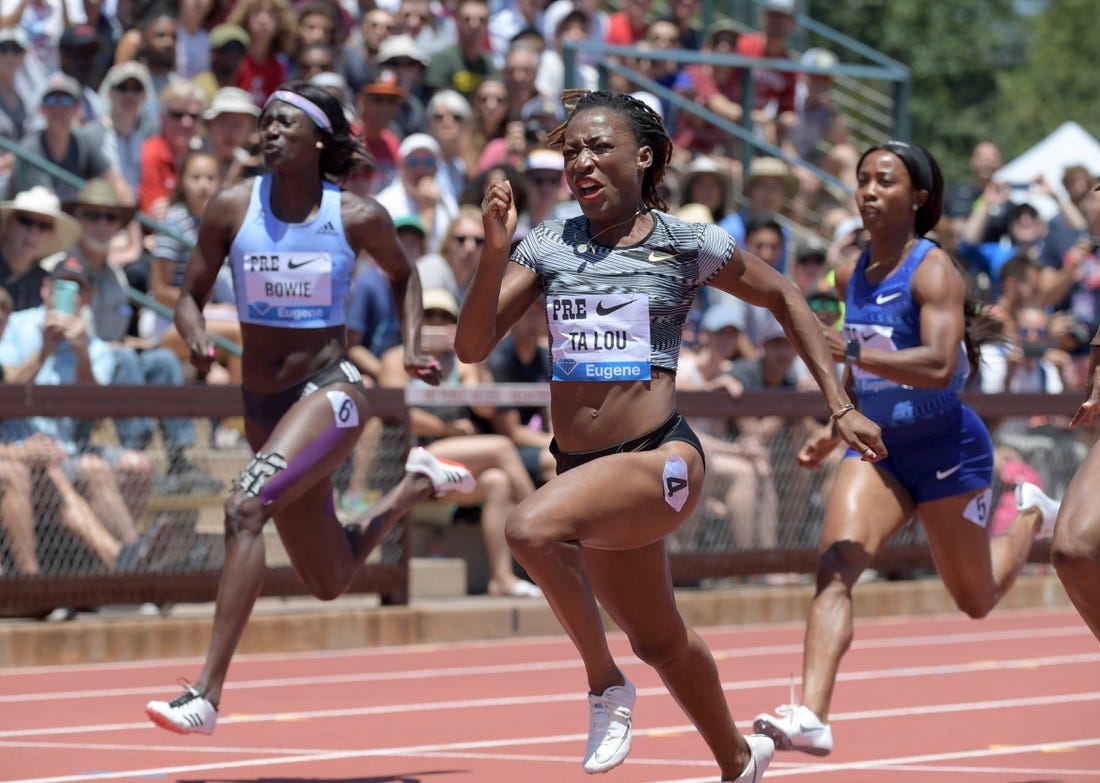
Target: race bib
x=295 y=286
x=599 y=338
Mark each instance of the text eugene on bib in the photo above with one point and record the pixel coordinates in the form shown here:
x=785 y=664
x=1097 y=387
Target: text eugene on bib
x=288 y=286
x=599 y=338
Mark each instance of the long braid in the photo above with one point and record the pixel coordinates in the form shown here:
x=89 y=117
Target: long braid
x=649 y=131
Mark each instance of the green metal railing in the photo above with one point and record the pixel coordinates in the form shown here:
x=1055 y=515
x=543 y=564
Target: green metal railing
x=751 y=144
x=25 y=157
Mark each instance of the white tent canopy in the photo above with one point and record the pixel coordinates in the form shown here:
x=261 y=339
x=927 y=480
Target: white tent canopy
x=1068 y=145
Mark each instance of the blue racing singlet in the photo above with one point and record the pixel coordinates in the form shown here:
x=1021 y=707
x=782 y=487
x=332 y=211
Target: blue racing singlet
x=884 y=316
x=292 y=275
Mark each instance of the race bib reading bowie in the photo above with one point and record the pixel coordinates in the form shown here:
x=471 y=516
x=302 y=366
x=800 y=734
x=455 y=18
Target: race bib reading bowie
x=294 y=286
x=599 y=338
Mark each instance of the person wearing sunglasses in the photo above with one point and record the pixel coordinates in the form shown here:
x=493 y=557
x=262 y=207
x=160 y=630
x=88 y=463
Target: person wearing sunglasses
x=546 y=193
x=14 y=118
x=60 y=106
x=182 y=105
x=102 y=218
x=449 y=123
x=32 y=227
x=125 y=92
x=416 y=190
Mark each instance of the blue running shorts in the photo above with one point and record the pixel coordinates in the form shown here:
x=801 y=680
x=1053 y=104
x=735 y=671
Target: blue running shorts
x=939 y=458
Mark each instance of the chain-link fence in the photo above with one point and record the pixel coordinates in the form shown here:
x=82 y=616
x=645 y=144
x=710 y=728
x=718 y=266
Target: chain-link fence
x=109 y=527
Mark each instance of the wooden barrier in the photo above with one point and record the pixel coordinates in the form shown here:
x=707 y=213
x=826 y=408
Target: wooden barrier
x=391 y=579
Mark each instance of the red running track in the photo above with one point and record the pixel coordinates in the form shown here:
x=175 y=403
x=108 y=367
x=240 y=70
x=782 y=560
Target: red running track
x=1014 y=698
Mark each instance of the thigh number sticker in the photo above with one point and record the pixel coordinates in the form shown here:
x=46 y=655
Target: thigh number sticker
x=675 y=479
x=343 y=409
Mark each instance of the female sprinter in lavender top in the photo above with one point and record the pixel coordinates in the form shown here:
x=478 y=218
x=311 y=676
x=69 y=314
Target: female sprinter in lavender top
x=618 y=283
x=292 y=237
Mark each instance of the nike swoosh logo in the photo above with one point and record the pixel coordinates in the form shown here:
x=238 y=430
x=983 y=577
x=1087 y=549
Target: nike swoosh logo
x=656 y=258
x=601 y=310
x=942 y=474
x=294 y=265
x=884 y=298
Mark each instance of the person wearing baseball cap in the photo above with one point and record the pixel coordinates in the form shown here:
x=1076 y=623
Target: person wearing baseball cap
x=377 y=106
x=400 y=55
x=125 y=90
x=77 y=153
x=231 y=128
x=417 y=191
x=81 y=55
x=14 y=119
x=228 y=43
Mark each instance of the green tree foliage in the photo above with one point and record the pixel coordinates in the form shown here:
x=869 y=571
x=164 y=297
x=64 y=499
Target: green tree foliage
x=1056 y=83
x=955 y=49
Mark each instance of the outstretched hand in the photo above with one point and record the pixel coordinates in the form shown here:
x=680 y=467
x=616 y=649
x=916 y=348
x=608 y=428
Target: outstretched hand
x=202 y=351
x=817 y=447
x=424 y=368
x=862 y=435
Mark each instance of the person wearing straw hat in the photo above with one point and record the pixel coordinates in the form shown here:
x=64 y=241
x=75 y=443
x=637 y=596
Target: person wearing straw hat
x=769 y=184
x=101 y=217
x=32 y=227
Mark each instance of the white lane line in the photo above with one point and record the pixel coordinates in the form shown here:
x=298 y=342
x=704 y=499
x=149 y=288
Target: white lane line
x=494 y=702
x=436 y=751
x=933 y=637
x=891 y=764
x=493 y=670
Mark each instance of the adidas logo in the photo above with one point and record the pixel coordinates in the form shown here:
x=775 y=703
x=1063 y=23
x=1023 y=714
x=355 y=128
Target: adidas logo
x=327 y=229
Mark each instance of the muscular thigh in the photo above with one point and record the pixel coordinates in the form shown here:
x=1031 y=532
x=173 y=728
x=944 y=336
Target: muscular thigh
x=635 y=587
x=1079 y=518
x=957 y=529
x=309 y=442
x=622 y=501
x=866 y=506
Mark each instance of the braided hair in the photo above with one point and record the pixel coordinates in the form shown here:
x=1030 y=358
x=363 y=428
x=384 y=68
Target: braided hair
x=343 y=152
x=649 y=131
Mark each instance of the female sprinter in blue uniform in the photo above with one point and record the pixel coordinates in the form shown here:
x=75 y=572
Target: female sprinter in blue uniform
x=618 y=283
x=909 y=349
x=292 y=237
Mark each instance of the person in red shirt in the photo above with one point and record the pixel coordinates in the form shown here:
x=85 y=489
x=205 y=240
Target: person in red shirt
x=182 y=104
x=718 y=88
x=376 y=106
x=773 y=91
x=628 y=25
x=272 y=29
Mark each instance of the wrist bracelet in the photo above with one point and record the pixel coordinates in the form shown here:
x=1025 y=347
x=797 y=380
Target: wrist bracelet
x=842 y=412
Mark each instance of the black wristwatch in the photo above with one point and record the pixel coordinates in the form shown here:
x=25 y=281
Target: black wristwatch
x=851 y=352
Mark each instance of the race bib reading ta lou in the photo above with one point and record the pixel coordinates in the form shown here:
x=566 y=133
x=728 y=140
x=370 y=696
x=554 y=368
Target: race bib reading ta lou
x=599 y=337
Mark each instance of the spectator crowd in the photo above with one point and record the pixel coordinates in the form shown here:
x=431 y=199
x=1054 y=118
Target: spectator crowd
x=155 y=105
